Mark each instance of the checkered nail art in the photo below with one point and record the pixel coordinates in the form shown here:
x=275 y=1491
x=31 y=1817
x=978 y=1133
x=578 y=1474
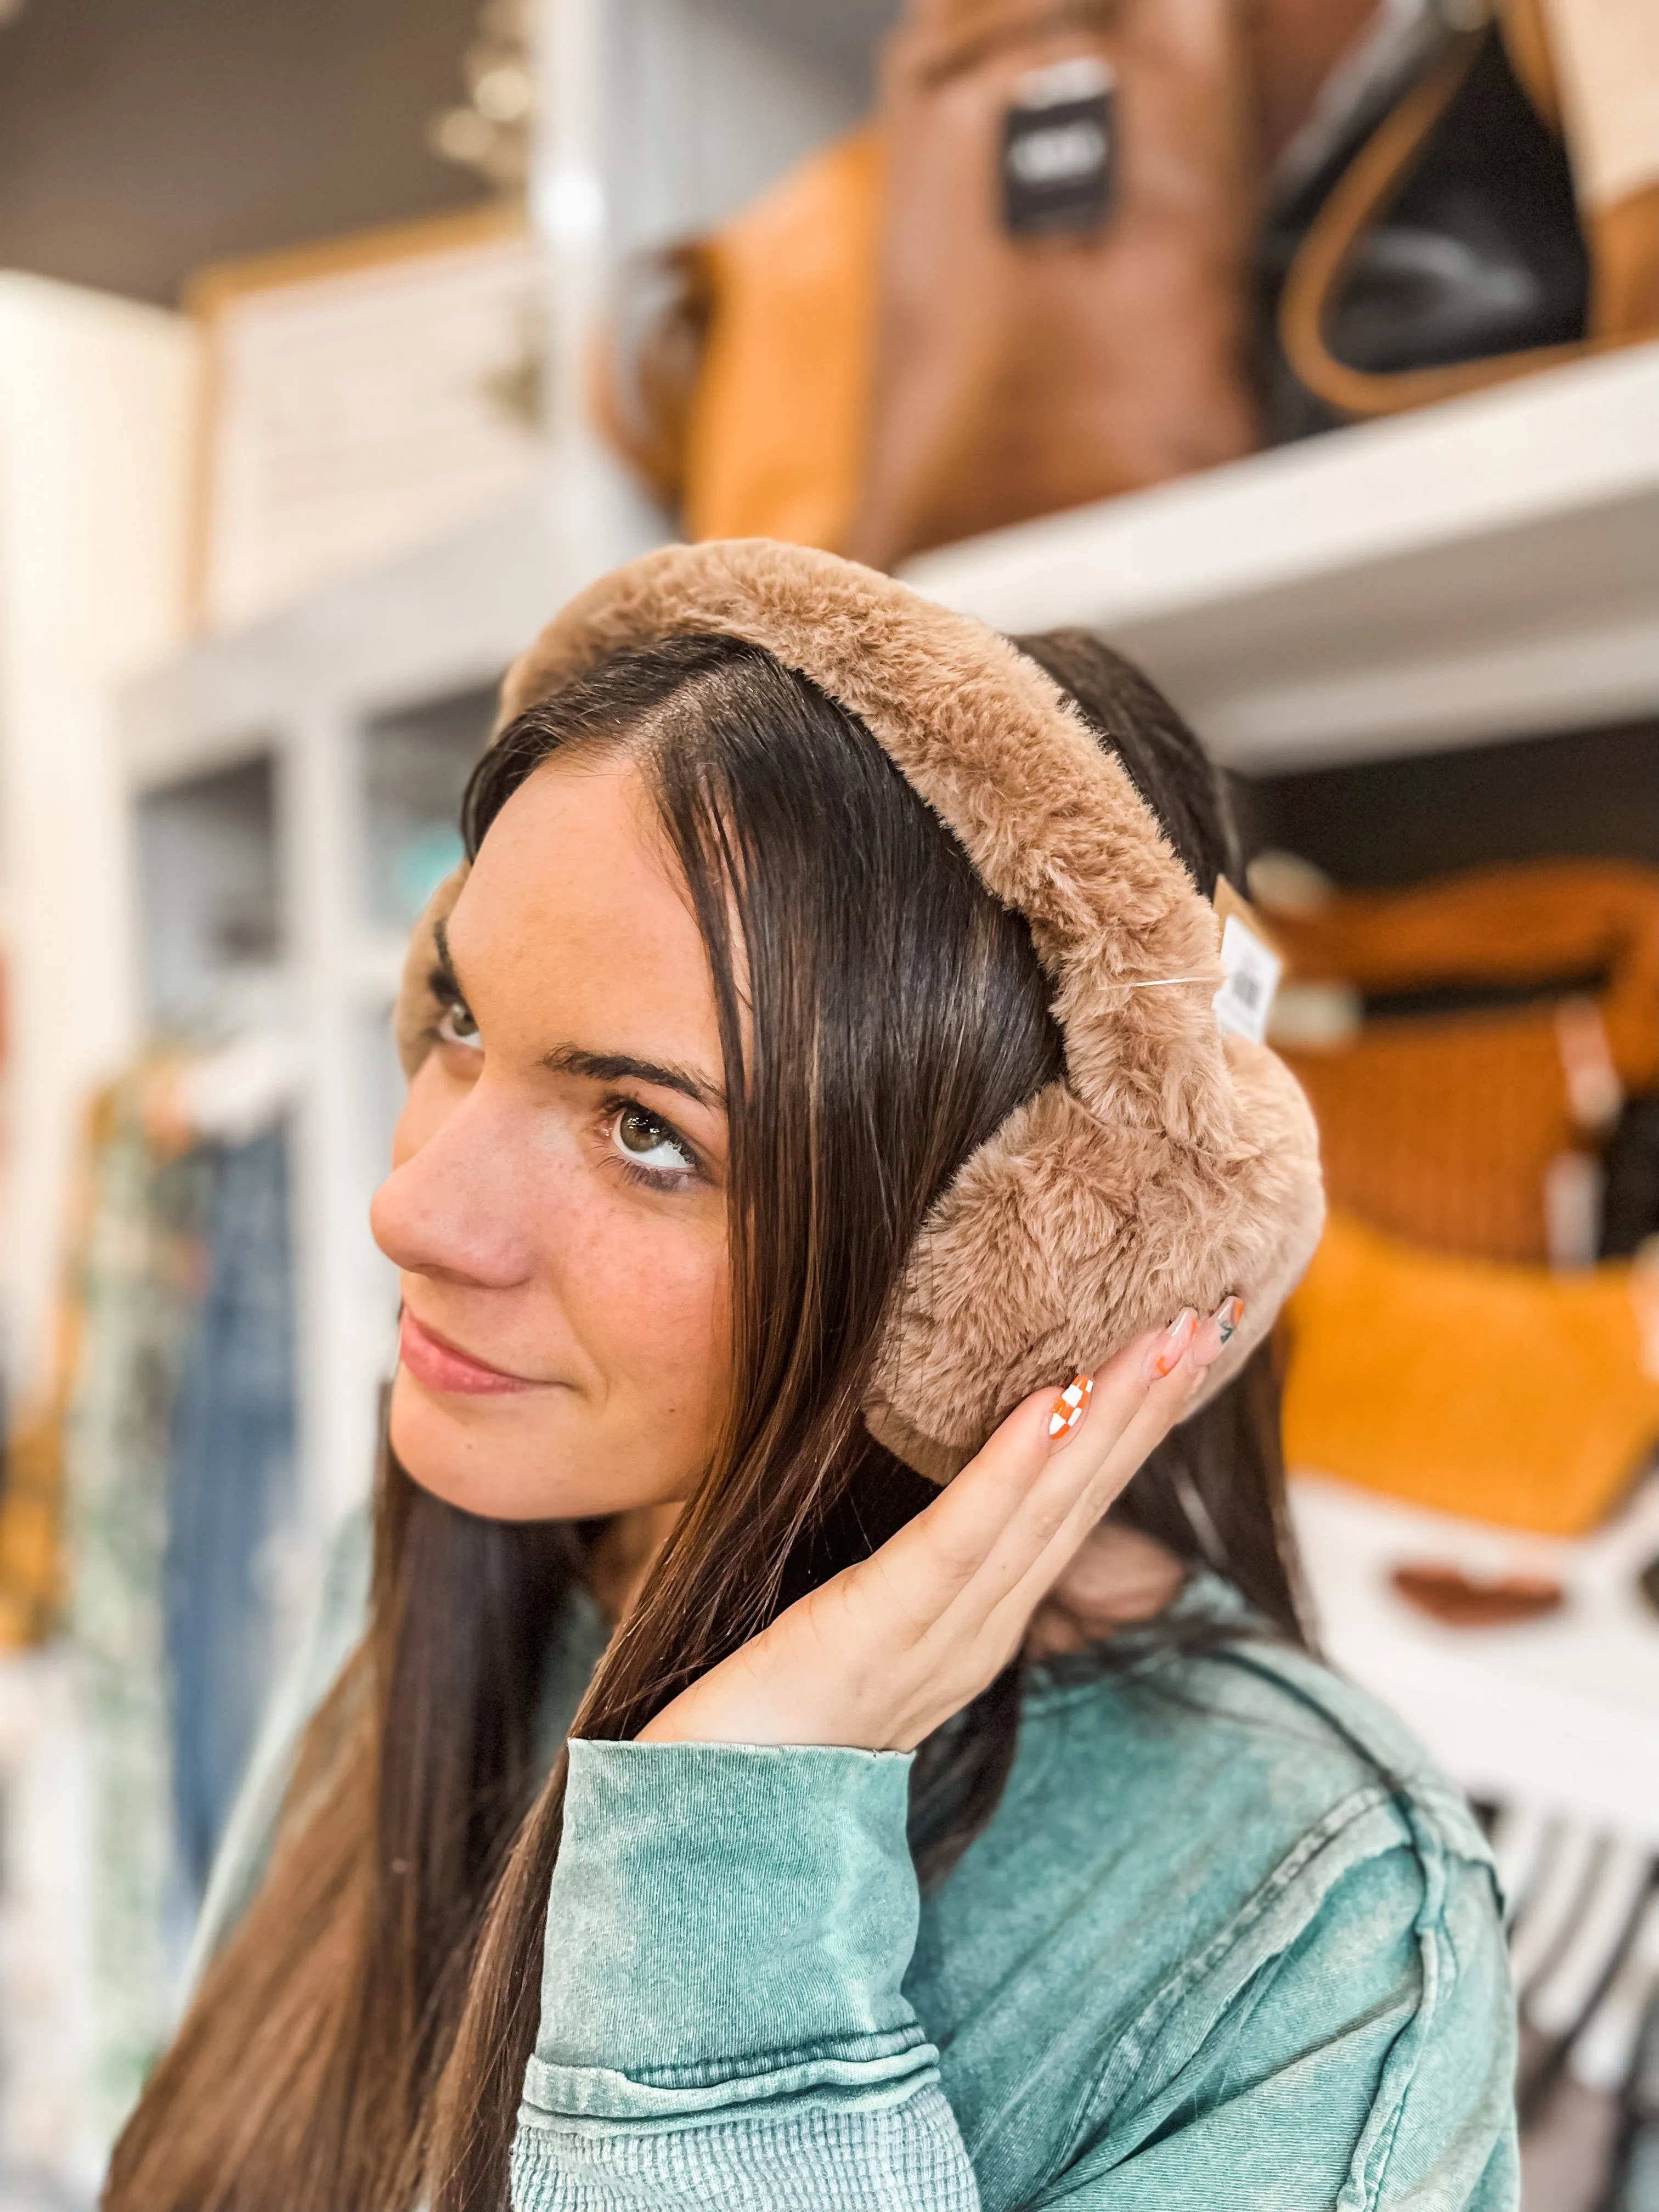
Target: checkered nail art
x=1070 y=1407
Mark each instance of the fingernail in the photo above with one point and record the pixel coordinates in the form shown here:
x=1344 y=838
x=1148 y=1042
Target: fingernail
x=1070 y=1407
x=1228 y=1315
x=1165 y=1355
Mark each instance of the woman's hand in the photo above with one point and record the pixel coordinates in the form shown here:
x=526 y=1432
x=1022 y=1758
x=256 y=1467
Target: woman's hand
x=882 y=1654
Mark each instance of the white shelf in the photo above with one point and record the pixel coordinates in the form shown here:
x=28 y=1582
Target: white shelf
x=1485 y=568
x=1482 y=569
x=1561 y=1713
x=447 y=618
x=310 y=688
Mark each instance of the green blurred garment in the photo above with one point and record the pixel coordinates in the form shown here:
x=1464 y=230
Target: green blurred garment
x=140 y=1266
x=1229 y=1944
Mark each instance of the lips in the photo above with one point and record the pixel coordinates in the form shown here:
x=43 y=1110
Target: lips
x=440 y=1365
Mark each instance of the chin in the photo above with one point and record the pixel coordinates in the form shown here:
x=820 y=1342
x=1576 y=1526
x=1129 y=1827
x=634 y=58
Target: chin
x=519 y=1458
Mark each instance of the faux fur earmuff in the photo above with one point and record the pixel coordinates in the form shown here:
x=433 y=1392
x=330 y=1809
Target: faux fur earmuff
x=1172 y=1165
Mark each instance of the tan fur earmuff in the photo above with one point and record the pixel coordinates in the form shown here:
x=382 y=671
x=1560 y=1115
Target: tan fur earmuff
x=1172 y=1165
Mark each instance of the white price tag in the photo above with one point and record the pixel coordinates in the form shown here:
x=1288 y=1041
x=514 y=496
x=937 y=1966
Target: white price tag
x=1252 y=972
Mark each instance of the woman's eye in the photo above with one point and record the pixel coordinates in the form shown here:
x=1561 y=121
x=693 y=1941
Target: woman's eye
x=646 y=1142
x=457 y=1026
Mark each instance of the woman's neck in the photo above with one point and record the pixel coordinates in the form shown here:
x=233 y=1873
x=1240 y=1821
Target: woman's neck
x=1119 y=1578
x=625 y=1555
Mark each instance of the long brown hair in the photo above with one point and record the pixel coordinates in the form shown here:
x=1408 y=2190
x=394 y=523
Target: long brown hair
x=362 y=2037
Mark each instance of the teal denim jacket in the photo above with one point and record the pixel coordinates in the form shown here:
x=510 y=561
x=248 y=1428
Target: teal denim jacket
x=1229 y=1944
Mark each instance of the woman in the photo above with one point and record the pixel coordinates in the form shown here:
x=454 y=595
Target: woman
x=816 y=1068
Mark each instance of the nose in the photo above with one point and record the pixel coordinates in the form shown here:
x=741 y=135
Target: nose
x=454 y=1206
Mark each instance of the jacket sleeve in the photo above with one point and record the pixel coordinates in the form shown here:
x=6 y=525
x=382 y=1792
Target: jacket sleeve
x=1367 y=2066
x=722 y=2021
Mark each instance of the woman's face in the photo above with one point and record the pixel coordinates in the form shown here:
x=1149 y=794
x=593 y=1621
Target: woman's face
x=556 y=1205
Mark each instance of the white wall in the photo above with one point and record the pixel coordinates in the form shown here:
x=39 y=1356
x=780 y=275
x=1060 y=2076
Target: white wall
x=704 y=110
x=97 y=400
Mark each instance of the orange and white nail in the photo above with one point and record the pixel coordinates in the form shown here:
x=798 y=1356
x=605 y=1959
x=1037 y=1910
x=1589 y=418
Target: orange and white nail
x=1167 y=1354
x=1070 y=1407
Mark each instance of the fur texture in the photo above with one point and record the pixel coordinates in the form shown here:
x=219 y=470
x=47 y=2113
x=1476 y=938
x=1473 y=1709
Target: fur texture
x=1172 y=1166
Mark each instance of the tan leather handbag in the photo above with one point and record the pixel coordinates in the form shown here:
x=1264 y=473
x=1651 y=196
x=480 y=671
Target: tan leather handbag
x=1504 y=1010
x=775 y=435
x=1066 y=292
x=1505 y=1394
x=734 y=370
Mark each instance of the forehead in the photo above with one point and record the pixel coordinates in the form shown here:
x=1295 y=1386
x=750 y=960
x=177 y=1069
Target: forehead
x=575 y=909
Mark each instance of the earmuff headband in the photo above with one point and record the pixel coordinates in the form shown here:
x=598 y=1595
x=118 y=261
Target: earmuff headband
x=1170 y=1166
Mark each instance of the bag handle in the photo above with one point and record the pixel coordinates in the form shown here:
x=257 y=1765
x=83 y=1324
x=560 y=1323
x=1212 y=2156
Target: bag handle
x=1356 y=205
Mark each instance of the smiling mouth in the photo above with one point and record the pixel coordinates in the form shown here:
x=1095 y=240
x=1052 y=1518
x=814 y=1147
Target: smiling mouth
x=440 y=1365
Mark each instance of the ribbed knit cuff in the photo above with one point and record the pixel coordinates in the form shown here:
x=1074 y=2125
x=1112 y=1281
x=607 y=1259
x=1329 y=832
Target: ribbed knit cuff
x=727 y=1924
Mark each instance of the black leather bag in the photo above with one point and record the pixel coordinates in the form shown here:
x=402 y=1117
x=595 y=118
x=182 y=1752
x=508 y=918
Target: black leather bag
x=1438 y=246
x=1630 y=1190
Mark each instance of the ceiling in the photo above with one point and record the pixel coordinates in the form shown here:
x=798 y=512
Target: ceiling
x=142 y=138
x=139 y=138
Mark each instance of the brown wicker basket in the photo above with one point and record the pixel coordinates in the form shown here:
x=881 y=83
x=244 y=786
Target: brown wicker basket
x=1439 y=1121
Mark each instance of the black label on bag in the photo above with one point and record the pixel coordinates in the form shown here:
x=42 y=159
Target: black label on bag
x=1057 y=142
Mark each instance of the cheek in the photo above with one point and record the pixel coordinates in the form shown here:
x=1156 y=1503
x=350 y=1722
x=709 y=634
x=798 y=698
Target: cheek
x=620 y=1293
x=646 y=1292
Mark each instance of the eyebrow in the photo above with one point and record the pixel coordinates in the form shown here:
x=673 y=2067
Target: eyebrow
x=622 y=1067
x=600 y=1067
x=446 y=965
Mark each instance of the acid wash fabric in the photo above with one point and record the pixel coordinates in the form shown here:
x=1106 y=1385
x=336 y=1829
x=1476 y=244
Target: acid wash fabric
x=1230 y=1944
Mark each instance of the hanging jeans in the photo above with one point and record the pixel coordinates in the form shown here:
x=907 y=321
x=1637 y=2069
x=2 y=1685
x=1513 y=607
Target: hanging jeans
x=232 y=1472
